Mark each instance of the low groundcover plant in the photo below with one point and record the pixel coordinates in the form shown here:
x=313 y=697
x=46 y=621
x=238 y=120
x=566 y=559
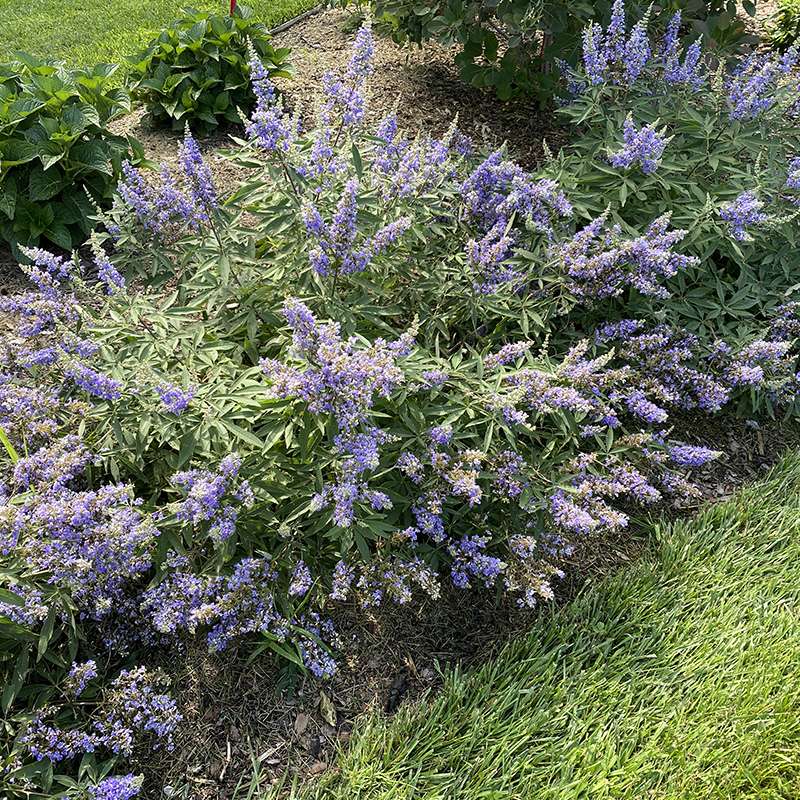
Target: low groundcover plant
x=380 y=364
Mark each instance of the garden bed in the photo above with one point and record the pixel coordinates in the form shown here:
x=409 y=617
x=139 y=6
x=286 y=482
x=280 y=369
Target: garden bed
x=510 y=314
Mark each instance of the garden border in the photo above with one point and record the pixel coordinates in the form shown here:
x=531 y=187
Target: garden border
x=290 y=23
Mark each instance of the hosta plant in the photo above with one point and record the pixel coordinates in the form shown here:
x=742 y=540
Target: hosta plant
x=58 y=155
x=196 y=71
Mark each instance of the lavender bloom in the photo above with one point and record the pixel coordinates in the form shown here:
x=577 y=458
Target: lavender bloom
x=47 y=270
x=31 y=414
x=343 y=576
x=394 y=578
x=117 y=787
x=637 y=52
x=689 y=72
x=244 y=604
x=429 y=518
x=614 y=44
x=322 y=160
x=360 y=65
x=675 y=72
x=493 y=193
x=488 y=259
x=752 y=362
x=793 y=177
x=345 y=98
x=342 y=381
x=40 y=312
x=163 y=208
x=171 y=605
x=171 y=206
x=411 y=169
x=675 y=369
x=206 y=491
x=92 y=543
x=198 y=177
x=135 y=706
x=671 y=43
x=386 y=236
x=507 y=354
x=136 y=194
x=336 y=250
x=47 y=741
x=410 y=466
x=434 y=378
x=643 y=408
x=742 y=213
x=175 y=399
x=753 y=88
x=595 y=60
x=108 y=274
x=687 y=455
x=603 y=267
x=232 y=606
x=575 y=86
x=312 y=647
x=52 y=467
x=79 y=675
x=498 y=189
x=95 y=383
x=392 y=146
x=32 y=610
x=340 y=378
x=471 y=561
x=507 y=481
x=644 y=146
x=785 y=323
x=268 y=126
x=301 y=580
x=441 y=435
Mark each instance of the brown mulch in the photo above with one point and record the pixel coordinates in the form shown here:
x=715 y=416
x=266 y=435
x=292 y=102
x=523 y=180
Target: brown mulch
x=12 y=280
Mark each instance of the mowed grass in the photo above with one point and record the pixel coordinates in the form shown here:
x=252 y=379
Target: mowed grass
x=86 y=32
x=678 y=678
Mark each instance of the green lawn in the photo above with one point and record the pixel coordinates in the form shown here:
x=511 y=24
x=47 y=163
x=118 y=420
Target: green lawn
x=679 y=678
x=89 y=31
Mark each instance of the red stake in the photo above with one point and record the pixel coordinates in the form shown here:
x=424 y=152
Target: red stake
x=233 y=6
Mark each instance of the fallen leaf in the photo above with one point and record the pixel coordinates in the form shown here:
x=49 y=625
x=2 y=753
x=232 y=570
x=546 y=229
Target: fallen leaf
x=301 y=723
x=326 y=709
